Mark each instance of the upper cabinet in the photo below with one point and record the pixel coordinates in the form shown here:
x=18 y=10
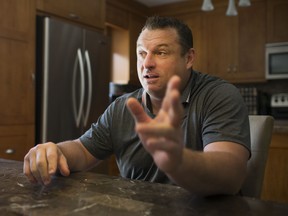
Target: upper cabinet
x=88 y=12
x=231 y=47
x=17 y=63
x=194 y=21
x=234 y=46
x=277 y=21
x=128 y=16
x=220 y=43
x=135 y=26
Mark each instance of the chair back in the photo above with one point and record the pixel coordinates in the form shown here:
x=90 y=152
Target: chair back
x=261 y=128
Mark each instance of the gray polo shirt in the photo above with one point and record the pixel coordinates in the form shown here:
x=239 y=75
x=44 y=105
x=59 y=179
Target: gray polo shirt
x=213 y=111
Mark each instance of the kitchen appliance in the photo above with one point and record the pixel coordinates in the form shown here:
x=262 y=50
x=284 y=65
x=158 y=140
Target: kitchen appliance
x=276 y=60
x=72 y=78
x=279 y=105
x=250 y=97
x=257 y=101
x=119 y=89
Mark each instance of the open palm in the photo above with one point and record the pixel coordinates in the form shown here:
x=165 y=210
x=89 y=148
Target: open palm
x=162 y=136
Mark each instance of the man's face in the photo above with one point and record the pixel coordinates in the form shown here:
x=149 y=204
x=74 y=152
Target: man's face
x=159 y=58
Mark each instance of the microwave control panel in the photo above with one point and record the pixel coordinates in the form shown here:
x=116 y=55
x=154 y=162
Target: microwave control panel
x=279 y=100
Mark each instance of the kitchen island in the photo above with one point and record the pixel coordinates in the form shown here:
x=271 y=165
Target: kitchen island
x=89 y=193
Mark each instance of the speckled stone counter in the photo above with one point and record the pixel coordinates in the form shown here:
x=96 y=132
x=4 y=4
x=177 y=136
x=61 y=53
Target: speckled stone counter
x=88 y=193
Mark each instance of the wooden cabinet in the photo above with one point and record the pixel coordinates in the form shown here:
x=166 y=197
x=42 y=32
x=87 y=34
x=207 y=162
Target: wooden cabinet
x=220 y=34
x=275 y=186
x=128 y=16
x=89 y=12
x=135 y=26
x=17 y=62
x=277 y=21
x=15 y=141
x=235 y=45
x=194 y=21
x=117 y=17
x=251 y=43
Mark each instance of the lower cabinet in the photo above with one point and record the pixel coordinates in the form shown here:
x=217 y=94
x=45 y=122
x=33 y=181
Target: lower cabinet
x=15 y=141
x=275 y=186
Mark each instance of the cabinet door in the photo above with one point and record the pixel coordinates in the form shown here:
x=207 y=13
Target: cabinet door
x=90 y=12
x=15 y=141
x=220 y=42
x=17 y=61
x=16 y=82
x=252 y=31
x=275 y=186
x=17 y=38
x=235 y=45
x=277 y=21
x=135 y=26
x=116 y=17
x=194 y=21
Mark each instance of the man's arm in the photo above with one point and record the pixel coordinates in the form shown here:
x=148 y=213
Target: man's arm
x=220 y=169
x=42 y=161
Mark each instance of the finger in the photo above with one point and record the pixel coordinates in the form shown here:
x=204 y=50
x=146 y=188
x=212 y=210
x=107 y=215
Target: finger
x=63 y=165
x=176 y=109
x=172 y=103
x=42 y=166
x=173 y=85
x=30 y=168
x=56 y=159
x=156 y=130
x=137 y=111
x=157 y=143
x=52 y=158
x=27 y=170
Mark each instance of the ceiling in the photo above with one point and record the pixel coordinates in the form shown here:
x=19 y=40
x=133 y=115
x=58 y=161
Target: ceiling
x=152 y=3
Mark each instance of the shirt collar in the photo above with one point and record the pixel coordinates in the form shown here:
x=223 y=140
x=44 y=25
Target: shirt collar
x=185 y=95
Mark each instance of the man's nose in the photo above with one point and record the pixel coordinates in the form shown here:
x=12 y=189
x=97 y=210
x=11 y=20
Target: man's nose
x=149 y=61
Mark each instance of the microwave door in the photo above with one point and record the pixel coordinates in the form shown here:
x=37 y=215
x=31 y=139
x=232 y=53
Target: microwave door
x=276 y=61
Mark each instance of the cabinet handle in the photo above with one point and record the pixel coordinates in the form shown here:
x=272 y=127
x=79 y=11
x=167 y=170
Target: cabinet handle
x=229 y=69
x=235 y=68
x=74 y=16
x=10 y=151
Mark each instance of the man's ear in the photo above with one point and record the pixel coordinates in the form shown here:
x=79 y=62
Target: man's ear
x=190 y=57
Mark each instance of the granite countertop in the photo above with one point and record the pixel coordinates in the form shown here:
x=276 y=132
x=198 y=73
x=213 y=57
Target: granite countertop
x=88 y=193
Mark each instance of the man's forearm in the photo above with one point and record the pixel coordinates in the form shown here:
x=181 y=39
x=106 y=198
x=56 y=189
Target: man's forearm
x=77 y=156
x=209 y=173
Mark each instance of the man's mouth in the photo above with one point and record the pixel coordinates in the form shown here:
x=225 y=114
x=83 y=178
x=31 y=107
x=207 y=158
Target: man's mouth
x=150 y=76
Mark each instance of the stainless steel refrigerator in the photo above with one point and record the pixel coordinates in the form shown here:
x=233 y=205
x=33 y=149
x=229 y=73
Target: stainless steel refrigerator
x=72 y=79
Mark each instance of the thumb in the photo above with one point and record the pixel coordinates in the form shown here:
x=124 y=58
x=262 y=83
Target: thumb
x=63 y=166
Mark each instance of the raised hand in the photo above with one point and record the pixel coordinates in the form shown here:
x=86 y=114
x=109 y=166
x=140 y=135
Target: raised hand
x=162 y=136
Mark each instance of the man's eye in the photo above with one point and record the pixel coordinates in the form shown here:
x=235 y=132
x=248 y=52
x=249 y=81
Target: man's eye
x=161 y=53
x=142 y=54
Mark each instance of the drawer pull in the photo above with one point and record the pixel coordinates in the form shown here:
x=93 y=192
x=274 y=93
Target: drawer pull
x=74 y=16
x=10 y=151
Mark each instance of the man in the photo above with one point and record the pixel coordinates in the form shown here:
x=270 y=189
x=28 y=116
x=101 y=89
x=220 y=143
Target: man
x=182 y=127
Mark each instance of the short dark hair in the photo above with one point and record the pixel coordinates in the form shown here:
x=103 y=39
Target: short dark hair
x=184 y=32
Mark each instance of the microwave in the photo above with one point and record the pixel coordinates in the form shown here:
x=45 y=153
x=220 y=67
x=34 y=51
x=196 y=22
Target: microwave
x=276 y=60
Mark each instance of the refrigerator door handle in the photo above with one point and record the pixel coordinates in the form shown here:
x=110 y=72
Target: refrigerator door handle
x=78 y=60
x=89 y=73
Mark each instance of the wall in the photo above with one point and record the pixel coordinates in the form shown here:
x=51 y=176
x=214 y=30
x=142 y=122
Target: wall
x=120 y=55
